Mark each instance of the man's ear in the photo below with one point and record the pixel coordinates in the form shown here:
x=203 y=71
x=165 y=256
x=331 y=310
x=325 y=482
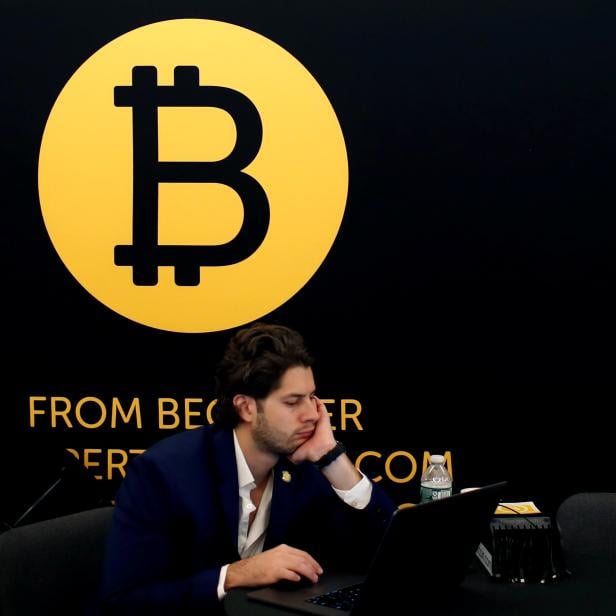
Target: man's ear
x=245 y=406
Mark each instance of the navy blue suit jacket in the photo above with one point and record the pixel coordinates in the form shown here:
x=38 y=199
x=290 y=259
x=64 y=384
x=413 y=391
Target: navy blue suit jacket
x=176 y=520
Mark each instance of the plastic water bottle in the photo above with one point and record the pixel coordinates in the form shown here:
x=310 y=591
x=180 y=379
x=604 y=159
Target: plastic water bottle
x=436 y=481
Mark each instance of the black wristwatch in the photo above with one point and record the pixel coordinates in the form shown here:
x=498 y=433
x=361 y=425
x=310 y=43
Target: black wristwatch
x=331 y=455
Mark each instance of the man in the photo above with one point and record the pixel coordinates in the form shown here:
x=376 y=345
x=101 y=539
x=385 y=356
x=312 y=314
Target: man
x=264 y=495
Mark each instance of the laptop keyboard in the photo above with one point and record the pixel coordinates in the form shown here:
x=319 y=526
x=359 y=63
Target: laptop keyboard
x=340 y=599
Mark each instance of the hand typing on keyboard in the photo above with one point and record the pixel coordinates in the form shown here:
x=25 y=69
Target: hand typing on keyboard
x=279 y=564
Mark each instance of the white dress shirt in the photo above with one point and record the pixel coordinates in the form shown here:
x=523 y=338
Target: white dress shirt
x=250 y=541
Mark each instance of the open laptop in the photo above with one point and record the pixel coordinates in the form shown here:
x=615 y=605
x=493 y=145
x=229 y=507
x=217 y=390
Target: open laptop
x=425 y=551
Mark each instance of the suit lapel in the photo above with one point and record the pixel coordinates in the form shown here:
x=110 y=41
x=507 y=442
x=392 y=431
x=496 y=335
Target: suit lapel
x=283 y=499
x=228 y=489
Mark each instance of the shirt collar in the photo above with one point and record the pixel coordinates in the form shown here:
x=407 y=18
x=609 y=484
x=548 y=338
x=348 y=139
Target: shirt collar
x=244 y=476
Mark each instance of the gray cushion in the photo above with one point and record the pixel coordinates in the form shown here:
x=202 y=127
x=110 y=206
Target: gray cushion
x=53 y=566
x=587 y=525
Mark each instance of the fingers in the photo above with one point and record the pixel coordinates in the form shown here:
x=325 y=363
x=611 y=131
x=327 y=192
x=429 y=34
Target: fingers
x=323 y=413
x=280 y=563
x=320 y=406
x=293 y=564
x=301 y=564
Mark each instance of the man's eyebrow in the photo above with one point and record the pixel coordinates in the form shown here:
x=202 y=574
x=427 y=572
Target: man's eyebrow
x=298 y=395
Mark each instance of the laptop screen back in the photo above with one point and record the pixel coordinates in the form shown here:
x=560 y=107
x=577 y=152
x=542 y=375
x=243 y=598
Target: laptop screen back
x=429 y=548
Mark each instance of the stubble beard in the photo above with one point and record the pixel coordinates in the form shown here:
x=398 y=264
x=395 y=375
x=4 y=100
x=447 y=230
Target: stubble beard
x=268 y=439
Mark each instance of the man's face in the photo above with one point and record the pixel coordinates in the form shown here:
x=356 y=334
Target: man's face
x=286 y=418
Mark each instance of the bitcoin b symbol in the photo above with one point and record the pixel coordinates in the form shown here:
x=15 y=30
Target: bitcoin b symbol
x=146 y=254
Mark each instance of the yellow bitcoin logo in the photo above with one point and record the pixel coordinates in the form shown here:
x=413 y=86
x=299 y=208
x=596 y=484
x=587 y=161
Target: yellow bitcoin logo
x=192 y=175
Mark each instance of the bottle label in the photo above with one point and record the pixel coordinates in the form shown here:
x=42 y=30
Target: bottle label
x=429 y=494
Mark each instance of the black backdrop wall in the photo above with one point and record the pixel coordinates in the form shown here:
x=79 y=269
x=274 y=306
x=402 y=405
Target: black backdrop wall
x=466 y=305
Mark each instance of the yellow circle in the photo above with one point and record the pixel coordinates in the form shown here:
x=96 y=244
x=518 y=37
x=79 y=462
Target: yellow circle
x=87 y=182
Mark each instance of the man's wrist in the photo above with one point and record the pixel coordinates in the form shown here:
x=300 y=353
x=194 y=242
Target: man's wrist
x=331 y=455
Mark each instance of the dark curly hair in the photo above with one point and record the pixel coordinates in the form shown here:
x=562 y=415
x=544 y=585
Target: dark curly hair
x=253 y=364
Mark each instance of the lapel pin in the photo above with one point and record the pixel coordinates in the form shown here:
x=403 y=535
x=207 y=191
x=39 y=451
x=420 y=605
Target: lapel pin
x=286 y=476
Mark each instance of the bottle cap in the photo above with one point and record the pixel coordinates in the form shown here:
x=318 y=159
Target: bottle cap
x=436 y=459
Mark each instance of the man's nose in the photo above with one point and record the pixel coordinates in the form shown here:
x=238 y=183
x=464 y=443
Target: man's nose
x=309 y=410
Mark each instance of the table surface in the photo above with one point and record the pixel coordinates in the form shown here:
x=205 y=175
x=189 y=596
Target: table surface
x=589 y=592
